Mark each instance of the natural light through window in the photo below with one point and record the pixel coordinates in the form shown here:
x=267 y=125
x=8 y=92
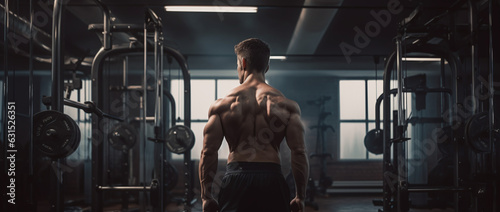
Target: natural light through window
x=352 y=98
x=357 y=116
x=203 y=93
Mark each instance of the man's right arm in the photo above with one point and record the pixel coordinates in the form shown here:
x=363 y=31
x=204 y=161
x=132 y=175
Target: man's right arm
x=300 y=164
x=212 y=140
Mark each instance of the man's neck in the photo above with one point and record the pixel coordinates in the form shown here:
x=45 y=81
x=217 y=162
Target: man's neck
x=254 y=77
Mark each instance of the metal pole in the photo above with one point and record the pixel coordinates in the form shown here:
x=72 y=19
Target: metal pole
x=491 y=81
x=106 y=41
x=399 y=75
x=491 y=106
x=57 y=203
x=158 y=61
x=400 y=121
x=456 y=144
x=387 y=167
x=159 y=125
x=97 y=126
x=474 y=53
x=435 y=189
x=444 y=101
x=125 y=188
x=57 y=80
x=5 y=87
x=125 y=84
x=31 y=105
x=395 y=161
x=97 y=132
x=162 y=123
x=144 y=112
x=367 y=155
x=377 y=108
x=172 y=106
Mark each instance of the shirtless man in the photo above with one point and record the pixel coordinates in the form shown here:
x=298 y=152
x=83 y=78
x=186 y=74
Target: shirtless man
x=254 y=118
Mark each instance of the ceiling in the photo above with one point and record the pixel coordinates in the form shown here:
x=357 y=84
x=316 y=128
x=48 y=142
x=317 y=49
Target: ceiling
x=315 y=35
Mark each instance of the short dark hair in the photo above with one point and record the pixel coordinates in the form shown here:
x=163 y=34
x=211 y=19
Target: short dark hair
x=255 y=51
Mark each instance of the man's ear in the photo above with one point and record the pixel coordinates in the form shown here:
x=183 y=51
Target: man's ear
x=267 y=69
x=243 y=63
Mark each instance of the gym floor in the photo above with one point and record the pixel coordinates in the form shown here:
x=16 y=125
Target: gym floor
x=335 y=203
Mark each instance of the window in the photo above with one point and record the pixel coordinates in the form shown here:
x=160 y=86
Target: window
x=83 y=120
x=203 y=93
x=357 y=116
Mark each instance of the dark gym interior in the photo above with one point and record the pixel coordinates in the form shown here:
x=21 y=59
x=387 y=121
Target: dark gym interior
x=103 y=102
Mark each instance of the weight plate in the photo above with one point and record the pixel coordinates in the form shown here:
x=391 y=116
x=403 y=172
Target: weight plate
x=55 y=134
x=374 y=141
x=179 y=139
x=122 y=136
x=477 y=132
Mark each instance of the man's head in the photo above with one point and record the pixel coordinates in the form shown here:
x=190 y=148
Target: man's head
x=255 y=52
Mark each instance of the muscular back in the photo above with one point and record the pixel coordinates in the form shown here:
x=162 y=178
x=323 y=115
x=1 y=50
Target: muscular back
x=254 y=117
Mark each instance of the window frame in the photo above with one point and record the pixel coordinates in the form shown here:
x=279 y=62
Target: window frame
x=366 y=120
x=180 y=121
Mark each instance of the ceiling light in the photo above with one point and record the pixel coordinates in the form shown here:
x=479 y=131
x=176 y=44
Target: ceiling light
x=215 y=9
x=422 y=59
x=277 y=57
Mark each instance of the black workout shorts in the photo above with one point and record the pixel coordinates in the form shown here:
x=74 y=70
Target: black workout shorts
x=254 y=187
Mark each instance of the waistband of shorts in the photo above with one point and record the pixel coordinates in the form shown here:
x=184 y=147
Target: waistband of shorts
x=252 y=167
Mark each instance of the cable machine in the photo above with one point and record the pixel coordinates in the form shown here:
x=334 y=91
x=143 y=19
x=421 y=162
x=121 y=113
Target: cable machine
x=473 y=130
x=162 y=139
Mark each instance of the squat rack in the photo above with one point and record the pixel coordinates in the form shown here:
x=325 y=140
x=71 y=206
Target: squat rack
x=97 y=126
x=398 y=189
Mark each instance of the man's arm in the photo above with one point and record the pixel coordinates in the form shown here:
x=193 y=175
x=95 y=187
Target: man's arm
x=212 y=140
x=300 y=163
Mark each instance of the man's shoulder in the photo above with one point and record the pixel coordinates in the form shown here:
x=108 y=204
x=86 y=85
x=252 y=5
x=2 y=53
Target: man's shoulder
x=221 y=105
x=291 y=105
x=281 y=99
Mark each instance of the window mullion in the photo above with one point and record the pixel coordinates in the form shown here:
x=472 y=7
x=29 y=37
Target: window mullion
x=366 y=113
x=216 y=88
